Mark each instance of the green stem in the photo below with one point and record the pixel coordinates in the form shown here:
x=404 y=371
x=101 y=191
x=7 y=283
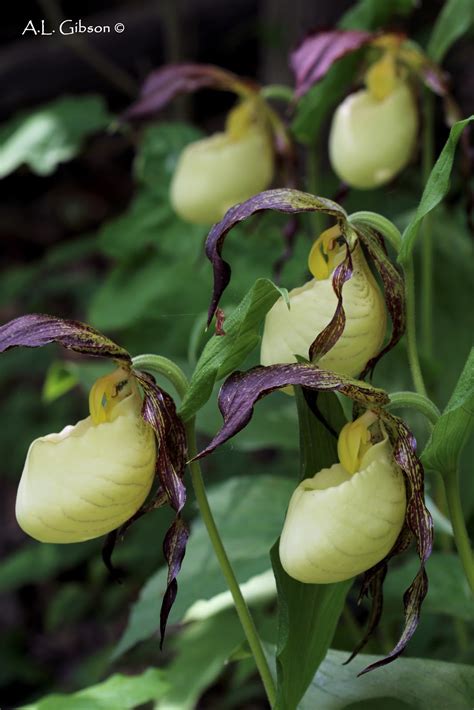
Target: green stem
x=412 y=348
x=242 y=609
x=413 y=400
x=175 y=375
x=277 y=91
x=426 y=233
x=461 y=538
x=381 y=224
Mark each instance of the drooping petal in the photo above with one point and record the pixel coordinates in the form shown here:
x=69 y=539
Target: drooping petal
x=394 y=289
x=162 y=85
x=419 y=525
x=317 y=53
x=242 y=390
x=174 y=548
x=36 y=329
x=281 y=200
x=159 y=411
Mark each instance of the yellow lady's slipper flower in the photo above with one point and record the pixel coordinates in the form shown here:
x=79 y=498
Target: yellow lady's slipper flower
x=374 y=130
x=217 y=172
x=290 y=332
x=344 y=520
x=91 y=477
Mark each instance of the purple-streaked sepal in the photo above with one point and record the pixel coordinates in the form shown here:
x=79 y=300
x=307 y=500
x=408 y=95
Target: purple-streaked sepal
x=418 y=525
x=284 y=200
x=36 y=329
x=328 y=337
x=393 y=285
x=174 y=548
x=242 y=390
x=159 y=411
x=317 y=53
x=163 y=85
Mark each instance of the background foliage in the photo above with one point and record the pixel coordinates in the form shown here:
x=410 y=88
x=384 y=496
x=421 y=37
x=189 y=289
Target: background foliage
x=88 y=232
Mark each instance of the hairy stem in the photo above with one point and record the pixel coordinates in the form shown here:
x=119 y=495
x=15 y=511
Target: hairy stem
x=175 y=375
x=461 y=538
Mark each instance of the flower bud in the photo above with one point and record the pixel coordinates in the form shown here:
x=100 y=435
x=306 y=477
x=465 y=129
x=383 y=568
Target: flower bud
x=91 y=477
x=340 y=523
x=374 y=130
x=290 y=332
x=227 y=168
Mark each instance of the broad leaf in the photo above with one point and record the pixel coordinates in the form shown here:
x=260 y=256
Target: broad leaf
x=435 y=189
x=202 y=650
x=308 y=616
x=455 y=18
x=454 y=426
x=308 y=613
x=119 y=691
x=373 y=14
x=449 y=591
x=249 y=512
x=415 y=683
x=50 y=135
x=224 y=353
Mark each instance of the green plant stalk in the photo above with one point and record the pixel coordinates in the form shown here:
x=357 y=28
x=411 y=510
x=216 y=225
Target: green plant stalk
x=412 y=348
x=242 y=609
x=175 y=375
x=461 y=538
x=278 y=92
x=413 y=400
x=426 y=229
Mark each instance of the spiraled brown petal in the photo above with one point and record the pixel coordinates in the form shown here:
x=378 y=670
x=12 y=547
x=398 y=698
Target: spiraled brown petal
x=174 y=547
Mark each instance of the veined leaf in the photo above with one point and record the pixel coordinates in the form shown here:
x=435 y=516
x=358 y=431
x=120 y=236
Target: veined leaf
x=119 y=691
x=456 y=17
x=223 y=353
x=416 y=683
x=452 y=429
x=52 y=134
x=435 y=189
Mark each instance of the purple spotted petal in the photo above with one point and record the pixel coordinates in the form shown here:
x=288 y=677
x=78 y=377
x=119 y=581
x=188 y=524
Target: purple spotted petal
x=35 y=330
x=418 y=525
x=281 y=200
x=174 y=547
x=394 y=289
x=317 y=53
x=159 y=411
x=328 y=337
x=242 y=390
x=162 y=85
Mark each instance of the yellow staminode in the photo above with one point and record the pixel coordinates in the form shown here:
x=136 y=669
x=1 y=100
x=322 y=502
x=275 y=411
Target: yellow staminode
x=381 y=77
x=354 y=441
x=346 y=518
x=92 y=477
x=324 y=253
x=107 y=392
